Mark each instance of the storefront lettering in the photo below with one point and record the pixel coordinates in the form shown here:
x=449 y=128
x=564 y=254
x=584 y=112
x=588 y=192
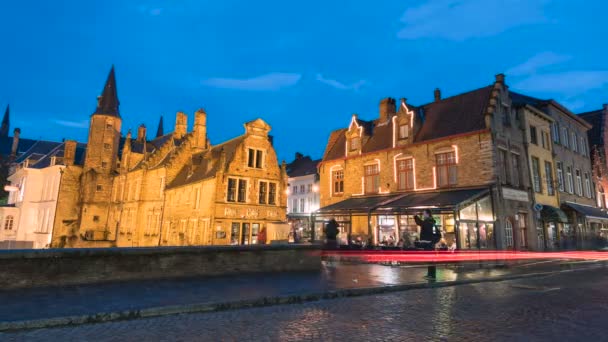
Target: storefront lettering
x=230 y=212
x=253 y=213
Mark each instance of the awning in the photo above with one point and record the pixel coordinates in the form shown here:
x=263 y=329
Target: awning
x=587 y=211
x=355 y=205
x=435 y=200
x=553 y=214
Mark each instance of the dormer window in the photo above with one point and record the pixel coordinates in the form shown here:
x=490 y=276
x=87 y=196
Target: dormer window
x=355 y=143
x=404 y=131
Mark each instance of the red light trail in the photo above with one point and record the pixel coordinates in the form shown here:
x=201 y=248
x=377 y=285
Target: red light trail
x=458 y=256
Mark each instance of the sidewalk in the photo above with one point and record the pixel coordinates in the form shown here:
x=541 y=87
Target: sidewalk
x=102 y=302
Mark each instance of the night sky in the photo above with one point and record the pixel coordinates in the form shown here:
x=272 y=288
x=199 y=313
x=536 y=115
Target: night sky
x=304 y=67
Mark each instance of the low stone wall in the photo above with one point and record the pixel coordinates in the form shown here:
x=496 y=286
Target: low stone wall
x=57 y=267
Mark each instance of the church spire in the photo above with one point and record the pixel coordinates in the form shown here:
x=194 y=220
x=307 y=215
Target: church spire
x=5 y=123
x=107 y=103
x=160 y=131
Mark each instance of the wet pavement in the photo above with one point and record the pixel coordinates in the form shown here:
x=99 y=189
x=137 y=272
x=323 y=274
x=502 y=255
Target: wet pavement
x=559 y=307
x=43 y=303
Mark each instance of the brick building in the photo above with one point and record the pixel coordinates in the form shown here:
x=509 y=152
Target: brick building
x=173 y=189
x=443 y=156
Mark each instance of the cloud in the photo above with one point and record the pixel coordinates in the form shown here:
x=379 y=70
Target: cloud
x=272 y=81
x=459 y=20
x=152 y=11
x=569 y=83
x=340 y=85
x=537 y=62
x=72 y=124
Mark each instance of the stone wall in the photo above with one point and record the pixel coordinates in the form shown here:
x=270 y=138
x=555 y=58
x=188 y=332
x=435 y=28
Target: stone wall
x=59 y=267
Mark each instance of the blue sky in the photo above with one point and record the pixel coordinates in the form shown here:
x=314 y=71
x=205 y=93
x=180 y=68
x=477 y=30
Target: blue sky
x=304 y=67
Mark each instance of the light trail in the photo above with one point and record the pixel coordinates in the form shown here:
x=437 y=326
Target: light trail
x=458 y=256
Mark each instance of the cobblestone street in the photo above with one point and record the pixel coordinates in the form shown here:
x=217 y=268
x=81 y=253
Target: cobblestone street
x=557 y=307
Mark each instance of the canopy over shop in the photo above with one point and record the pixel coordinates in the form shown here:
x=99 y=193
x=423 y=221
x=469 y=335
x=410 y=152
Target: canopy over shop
x=594 y=219
x=465 y=216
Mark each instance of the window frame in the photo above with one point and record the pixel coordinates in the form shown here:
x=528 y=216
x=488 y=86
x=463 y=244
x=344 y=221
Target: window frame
x=371 y=178
x=549 y=178
x=449 y=165
x=337 y=179
x=533 y=135
x=405 y=166
x=404 y=131
x=559 y=167
x=536 y=176
x=569 y=180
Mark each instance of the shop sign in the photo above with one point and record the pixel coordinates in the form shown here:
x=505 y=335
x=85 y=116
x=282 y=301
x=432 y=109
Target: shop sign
x=515 y=195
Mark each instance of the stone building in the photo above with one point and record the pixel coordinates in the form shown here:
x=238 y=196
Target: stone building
x=442 y=156
x=228 y=193
x=303 y=198
x=572 y=162
x=537 y=126
x=168 y=190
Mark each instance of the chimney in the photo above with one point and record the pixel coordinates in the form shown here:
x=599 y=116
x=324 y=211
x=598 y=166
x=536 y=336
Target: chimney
x=141 y=133
x=437 y=95
x=200 y=129
x=69 y=152
x=271 y=140
x=181 y=125
x=299 y=155
x=16 y=134
x=500 y=78
x=387 y=109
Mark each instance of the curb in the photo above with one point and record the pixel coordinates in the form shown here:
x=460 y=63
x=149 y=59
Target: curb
x=253 y=303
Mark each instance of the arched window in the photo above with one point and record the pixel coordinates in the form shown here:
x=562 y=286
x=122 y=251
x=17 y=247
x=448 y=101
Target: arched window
x=8 y=222
x=509 y=233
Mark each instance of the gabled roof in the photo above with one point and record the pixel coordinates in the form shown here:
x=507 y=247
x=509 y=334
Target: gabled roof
x=450 y=116
x=302 y=166
x=521 y=100
x=206 y=163
x=454 y=115
x=6 y=144
x=596 y=119
x=38 y=150
x=58 y=152
x=108 y=102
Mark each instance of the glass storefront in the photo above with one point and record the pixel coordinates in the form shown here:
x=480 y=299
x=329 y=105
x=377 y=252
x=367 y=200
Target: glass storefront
x=476 y=226
x=244 y=233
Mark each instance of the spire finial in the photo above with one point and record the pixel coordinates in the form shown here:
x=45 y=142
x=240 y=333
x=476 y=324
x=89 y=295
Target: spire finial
x=108 y=103
x=160 y=130
x=5 y=123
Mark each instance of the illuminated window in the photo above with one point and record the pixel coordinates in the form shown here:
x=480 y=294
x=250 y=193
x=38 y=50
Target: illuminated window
x=404 y=131
x=447 y=169
x=338 y=181
x=372 y=179
x=272 y=193
x=405 y=174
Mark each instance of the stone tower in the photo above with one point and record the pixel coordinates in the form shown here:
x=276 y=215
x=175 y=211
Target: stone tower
x=100 y=164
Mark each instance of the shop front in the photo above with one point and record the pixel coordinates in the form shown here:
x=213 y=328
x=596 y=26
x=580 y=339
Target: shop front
x=590 y=225
x=555 y=228
x=465 y=218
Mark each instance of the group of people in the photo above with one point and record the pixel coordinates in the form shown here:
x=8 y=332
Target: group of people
x=430 y=236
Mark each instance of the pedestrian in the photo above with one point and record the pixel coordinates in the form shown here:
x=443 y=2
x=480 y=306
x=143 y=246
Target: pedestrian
x=331 y=234
x=262 y=236
x=429 y=236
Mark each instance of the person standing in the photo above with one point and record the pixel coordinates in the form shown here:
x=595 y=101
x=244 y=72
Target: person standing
x=429 y=236
x=331 y=233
